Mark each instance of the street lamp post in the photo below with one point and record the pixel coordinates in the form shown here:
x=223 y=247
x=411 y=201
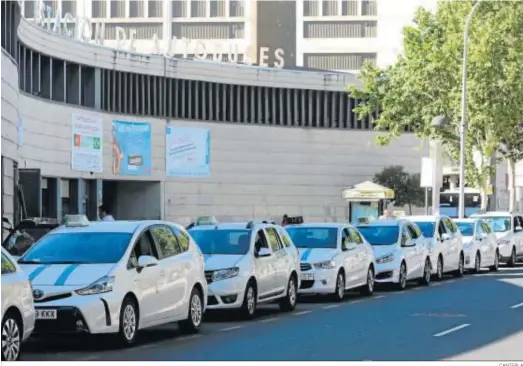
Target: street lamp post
x=438 y=122
x=463 y=125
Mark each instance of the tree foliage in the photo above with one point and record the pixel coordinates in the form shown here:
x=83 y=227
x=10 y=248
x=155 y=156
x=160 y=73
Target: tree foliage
x=426 y=82
x=406 y=186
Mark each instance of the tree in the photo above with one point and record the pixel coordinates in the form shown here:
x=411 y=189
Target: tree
x=406 y=186
x=426 y=82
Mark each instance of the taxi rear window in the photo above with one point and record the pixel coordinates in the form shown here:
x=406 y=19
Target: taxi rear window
x=79 y=247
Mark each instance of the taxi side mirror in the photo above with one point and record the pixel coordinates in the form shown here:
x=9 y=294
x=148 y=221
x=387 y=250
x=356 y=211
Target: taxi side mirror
x=147 y=261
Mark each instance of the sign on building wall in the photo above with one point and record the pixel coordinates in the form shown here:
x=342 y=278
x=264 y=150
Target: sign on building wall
x=131 y=148
x=187 y=152
x=86 y=144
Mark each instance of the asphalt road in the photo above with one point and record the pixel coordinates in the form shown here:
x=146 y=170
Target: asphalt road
x=478 y=317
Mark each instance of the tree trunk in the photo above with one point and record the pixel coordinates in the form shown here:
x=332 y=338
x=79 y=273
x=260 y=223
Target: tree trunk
x=410 y=208
x=512 y=184
x=484 y=198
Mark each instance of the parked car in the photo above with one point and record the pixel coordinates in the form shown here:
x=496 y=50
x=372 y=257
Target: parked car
x=479 y=244
x=18 y=312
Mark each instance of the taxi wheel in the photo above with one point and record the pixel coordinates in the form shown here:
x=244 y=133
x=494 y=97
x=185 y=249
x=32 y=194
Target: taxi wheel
x=128 y=322
x=495 y=266
x=402 y=281
x=512 y=261
x=195 y=314
x=477 y=263
x=288 y=303
x=11 y=337
x=368 y=288
x=427 y=273
x=339 y=293
x=439 y=270
x=248 y=309
x=461 y=267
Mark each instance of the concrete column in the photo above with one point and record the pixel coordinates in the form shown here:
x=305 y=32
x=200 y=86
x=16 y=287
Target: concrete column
x=77 y=196
x=54 y=189
x=95 y=198
x=97 y=88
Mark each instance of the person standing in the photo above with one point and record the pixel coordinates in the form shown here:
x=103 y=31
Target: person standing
x=285 y=220
x=105 y=213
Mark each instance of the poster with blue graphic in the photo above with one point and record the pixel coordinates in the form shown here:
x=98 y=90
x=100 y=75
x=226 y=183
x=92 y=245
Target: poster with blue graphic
x=131 y=148
x=187 y=152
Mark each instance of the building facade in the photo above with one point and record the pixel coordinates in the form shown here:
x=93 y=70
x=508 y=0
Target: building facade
x=319 y=34
x=279 y=141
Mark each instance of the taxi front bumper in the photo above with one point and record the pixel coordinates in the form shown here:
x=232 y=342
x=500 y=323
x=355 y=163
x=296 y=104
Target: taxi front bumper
x=470 y=257
x=318 y=281
x=226 y=294
x=387 y=273
x=93 y=314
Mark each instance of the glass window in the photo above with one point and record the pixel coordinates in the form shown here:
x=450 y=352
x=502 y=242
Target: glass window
x=412 y=232
x=427 y=228
x=167 y=243
x=274 y=241
x=380 y=235
x=260 y=241
x=499 y=224
x=441 y=228
x=20 y=240
x=466 y=228
x=143 y=246
x=355 y=235
x=486 y=228
x=405 y=237
x=221 y=241
x=78 y=247
x=183 y=238
x=448 y=225
x=314 y=237
x=287 y=241
x=7 y=265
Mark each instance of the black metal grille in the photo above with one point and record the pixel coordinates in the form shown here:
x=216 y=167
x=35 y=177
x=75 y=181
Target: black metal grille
x=305 y=266
x=307 y=283
x=211 y=300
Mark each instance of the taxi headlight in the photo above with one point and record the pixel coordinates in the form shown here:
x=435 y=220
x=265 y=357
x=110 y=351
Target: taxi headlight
x=224 y=274
x=503 y=242
x=385 y=259
x=103 y=285
x=325 y=265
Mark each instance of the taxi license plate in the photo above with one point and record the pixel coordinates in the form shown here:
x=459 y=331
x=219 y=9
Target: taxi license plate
x=45 y=313
x=307 y=277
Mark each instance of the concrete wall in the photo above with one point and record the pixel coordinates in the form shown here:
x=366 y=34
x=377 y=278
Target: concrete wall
x=10 y=105
x=256 y=171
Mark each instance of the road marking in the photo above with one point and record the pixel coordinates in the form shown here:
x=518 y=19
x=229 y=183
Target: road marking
x=416 y=288
x=331 y=306
x=145 y=346
x=231 y=328
x=268 y=320
x=379 y=297
x=437 y=284
x=517 y=306
x=441 y=334
x=185 y=338
x=356 y=301
x=302 y=312
x=450 y=281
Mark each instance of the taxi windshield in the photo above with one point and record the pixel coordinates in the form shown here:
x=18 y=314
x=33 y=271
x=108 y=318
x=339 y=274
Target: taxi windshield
x=427 y=228
x=314 y=237
x=466 y=228
x=79 y=247
x=222 y=241
x=380 y=235
x=499 y=224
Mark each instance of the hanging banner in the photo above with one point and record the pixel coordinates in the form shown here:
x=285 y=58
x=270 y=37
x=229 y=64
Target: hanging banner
x=131 y=148
x=187 y=152
x=86 y=144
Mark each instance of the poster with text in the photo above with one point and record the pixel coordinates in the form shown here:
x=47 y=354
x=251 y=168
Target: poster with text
x=86 y=144
x=187 y=152
x=131 y=148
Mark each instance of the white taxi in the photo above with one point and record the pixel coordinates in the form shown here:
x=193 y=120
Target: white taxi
x=508 y=228
x=479 y=244
x=115 y=277
x=18 y=313
x=400 y=249
x=247 y=264
x=445 y=244
x=334 y=258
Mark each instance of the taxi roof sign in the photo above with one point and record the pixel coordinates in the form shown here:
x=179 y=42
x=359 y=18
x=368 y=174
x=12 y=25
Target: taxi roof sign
x=206 y=220
x=76 y=221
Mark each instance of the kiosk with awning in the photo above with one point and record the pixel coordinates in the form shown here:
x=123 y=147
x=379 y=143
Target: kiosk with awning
x=367 y=200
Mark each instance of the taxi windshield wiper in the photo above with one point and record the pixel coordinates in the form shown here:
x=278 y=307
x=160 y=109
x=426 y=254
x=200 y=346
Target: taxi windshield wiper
x=29 y=262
